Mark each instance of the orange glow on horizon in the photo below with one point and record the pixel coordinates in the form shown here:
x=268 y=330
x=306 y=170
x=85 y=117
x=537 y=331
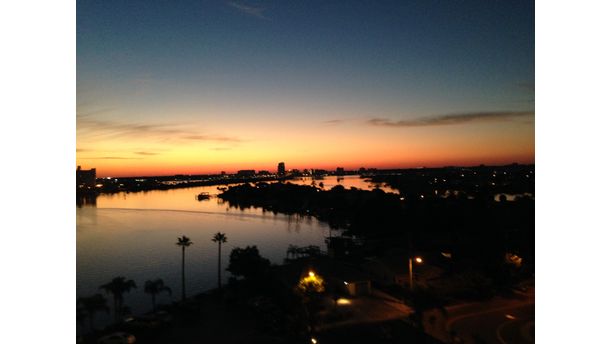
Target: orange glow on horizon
x=301 y=145
x=109 y=170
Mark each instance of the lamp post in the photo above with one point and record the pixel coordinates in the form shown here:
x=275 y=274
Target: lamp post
x=418 y=260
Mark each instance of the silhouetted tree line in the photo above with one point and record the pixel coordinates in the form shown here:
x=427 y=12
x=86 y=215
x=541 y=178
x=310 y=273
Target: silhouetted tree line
x=478 y=231
x=87 y=307
x=478 y=182
x=157 y=183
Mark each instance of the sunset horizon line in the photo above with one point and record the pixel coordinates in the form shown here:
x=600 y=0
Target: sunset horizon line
x=328 y=168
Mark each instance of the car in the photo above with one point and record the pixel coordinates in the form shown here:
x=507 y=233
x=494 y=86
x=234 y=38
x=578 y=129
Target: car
x=134 y=323
x=117 y=338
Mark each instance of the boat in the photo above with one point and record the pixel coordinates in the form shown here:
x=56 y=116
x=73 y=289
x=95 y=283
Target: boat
x=221 y=188
x=203 y=196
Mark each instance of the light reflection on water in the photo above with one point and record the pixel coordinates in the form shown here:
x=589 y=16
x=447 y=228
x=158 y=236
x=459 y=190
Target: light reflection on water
x=512 y=197
x=134 y=235
x=346 y=181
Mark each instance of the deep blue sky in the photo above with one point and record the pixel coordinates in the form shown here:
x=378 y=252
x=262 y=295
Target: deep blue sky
x=228 y=61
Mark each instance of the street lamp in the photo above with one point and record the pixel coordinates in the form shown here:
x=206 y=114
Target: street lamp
x=418 y=260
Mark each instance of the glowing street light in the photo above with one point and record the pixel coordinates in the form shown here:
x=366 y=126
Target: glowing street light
x=311 y=283
x=418 y=260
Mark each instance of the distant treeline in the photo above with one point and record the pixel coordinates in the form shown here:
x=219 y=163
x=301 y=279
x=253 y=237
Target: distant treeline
x=475 y=228
x=479 y=182
x=162 y=183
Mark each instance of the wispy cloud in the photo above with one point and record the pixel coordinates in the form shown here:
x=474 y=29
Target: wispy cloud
x=113 y=158
x=212 y=138
x=334 y=121
x=107 y=129
x=249 y=10
x=146 y=153
x=451 y=119
x=83 y=114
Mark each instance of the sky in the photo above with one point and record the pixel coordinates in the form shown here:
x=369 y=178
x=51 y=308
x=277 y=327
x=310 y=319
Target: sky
x=192 y=87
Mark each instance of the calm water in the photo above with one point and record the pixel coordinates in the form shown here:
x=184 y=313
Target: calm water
x=346 y=181
x=134 y=235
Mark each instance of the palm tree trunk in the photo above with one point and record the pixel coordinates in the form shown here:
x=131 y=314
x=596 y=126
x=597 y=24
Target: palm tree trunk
x=120 y=308
x=116 y=308
x=219 y=267
x=91 y=326
x=153 y=300
x=183 y=273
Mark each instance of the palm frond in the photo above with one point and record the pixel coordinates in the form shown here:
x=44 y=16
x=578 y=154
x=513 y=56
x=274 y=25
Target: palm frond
x=184 y=241
x=220 y=237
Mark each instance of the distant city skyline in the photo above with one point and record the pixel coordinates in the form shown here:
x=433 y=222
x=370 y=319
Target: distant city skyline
x=198 y=87
x=332 y=170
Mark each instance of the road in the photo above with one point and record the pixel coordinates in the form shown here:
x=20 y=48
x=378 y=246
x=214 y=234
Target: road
x=502 y=321
x=513 y=324
x=377 y=307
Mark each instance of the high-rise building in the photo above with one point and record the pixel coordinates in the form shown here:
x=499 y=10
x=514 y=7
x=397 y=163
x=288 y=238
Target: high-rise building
x=281 y=169
x=85 y=178
x=246 y=173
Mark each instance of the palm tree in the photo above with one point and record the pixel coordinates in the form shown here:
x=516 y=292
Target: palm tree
x=90 y=306
x=184 y=242
x=155 y=287
x=219 y=238
x=117 y=287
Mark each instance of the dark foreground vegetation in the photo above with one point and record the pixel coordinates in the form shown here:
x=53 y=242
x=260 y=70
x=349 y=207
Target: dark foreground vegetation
x=454 y=211
x=468 y=234
x=261 y=303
